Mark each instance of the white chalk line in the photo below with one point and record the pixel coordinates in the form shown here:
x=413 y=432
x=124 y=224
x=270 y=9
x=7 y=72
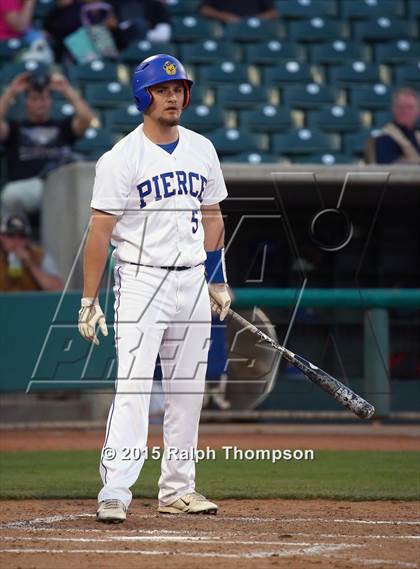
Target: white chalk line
x=312 y=550
x=71 y=517
x=189 y=540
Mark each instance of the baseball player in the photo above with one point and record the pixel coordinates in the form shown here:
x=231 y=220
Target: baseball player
x=156 y=197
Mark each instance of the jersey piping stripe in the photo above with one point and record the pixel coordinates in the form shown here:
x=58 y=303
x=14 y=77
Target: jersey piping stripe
x=116 y=380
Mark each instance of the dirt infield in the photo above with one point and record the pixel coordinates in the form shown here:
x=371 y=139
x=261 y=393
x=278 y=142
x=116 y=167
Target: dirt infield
x=246 y=533
x=292 y=534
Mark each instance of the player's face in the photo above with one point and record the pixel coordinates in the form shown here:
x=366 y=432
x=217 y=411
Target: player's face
x=168 y=99
x=406 y=110
x=38 y=105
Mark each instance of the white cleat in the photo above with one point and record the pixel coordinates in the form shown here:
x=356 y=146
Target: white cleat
x=111 y=511
x=193 y=503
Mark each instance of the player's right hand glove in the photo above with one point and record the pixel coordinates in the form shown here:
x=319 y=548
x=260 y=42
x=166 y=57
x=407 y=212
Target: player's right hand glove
x=90 y=315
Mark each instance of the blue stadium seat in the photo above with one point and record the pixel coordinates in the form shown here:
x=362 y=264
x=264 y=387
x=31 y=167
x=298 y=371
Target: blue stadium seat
x=95 y=71
x=229 y=141
x=193 y=28
x=380 y=118
x=266 y=118
x=210 y=52
x=223 y=73
x=310 y=96
x=10 y=70
x=94 y=140
x=182 y=7
x=327 y=159
x=413 y=9
x=202 y=118
x=272 y=52
x=401 y=51
x=253 y=158
x=242 y=96
x=124 y=119
x=354 y=143
x=9 y=49
x=108 y=95
x=198 y=94
x=293 y=9
x=383 y=29
x=335 y=119
x=137 y=51
x=372 y=97
x=304 y=141
x=357 y=72
x=338 y=51
x=253 y=29
x=288 y=72
x=315 y=30
x=408 y=75
x=365 y=9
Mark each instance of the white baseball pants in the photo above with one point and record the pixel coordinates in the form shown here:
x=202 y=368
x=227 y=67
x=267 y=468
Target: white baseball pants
x=165 y=312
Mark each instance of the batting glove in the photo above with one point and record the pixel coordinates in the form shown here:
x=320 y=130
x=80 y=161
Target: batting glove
x=90 y=315
x=220 y=299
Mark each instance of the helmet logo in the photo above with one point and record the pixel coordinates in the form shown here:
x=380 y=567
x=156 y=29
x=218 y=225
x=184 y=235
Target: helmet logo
x=169 y=68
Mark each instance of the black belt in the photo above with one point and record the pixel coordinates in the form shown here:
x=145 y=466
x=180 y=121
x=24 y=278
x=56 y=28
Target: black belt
x=164 y=268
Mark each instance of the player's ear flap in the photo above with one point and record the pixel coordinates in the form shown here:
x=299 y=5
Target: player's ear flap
x=186 y=95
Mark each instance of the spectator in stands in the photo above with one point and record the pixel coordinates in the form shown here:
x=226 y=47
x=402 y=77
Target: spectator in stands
x=142 y=19
x=398 y=141
x=24 y=265
x=38 y=143
x=227 y=11
x=16 y=18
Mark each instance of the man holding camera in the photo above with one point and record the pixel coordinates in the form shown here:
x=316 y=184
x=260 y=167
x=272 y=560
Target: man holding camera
x=38 y=143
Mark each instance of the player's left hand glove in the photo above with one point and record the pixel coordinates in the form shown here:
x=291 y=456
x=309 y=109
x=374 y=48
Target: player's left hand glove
x=90 y=315
x=220 y=298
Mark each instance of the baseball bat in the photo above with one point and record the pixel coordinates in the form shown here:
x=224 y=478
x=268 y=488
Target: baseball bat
x=341 y=393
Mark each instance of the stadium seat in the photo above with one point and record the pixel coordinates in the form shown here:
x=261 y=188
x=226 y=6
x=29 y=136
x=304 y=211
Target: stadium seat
x=253 y=158
x=253 y=30
x=223 y=73
x=372 y=97
x=365 y=9
x=293 y=9
x=338 y=51
x=380 y=118
x=273 y=52
x=356 y=72
x=408 y=75
x=124 y=119
x=193 y=28
x=335 y=119
x=304 y=141
x=108 y=95
x=182 y=7
x=9 y=49
x=354 y=143
x=266 y=118
x=198 y=95
x=401 y=51
x=210 y=52
x=289 y=72
x=327 y=159
x=9 y=71
x=94 y=140
x=229 y=141
x=202 y=118
x=242 y=96
x=315 y=29
x=97 y=70
x=137 y=51
x=383 y=29
x=413 y=9
x=42 y=7
x=310 y=96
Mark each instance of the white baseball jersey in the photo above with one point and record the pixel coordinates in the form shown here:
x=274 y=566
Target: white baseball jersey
x=157 y=197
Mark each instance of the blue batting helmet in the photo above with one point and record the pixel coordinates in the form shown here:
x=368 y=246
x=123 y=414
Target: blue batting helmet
x=158 y=69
